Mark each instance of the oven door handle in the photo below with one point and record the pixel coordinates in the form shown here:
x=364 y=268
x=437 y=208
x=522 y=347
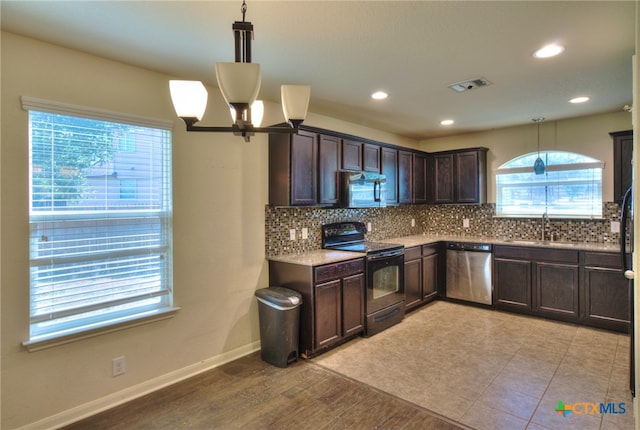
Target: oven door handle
x=387 y=254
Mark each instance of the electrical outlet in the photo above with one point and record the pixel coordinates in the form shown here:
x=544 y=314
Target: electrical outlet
x=369 y=227
x=292 y=234
x=615 y=226
x=413 y=222
x=118 y=366
x=465 y=222
x=305 y=233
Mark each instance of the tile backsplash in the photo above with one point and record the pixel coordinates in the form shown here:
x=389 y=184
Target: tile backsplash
x=395 y=221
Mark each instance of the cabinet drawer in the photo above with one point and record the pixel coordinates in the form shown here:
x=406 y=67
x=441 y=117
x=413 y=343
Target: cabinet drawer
x=412 y=253
x=603 y=259
x=430 y=249
x=338 y=270
x=544 y=254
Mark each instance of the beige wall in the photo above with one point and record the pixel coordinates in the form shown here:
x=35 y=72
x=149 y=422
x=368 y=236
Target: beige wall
x=587 y=135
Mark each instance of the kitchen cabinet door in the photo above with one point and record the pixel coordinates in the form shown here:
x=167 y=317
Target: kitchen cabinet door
x=412 y=283
x=389 y=168
x=430 y=276
x=443 y=178
x=353 y=304
x=405 y=177
x=371 y=157
x=303 y=169
x=328 y=313
x=512 y=282
x=605 y=293
x=467 y=179
x=556 y=291
x=351 y=155
x=419 y=178
x=622 y=168
x=328 y=166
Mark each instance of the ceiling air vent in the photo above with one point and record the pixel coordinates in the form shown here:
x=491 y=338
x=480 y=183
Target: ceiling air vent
x=469 y=85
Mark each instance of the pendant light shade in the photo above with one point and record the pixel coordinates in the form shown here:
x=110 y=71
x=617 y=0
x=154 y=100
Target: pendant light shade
x=538 y=165
x=295 y=103
x=189 y=98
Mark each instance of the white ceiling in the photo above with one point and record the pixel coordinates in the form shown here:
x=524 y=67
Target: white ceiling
x=347 y=49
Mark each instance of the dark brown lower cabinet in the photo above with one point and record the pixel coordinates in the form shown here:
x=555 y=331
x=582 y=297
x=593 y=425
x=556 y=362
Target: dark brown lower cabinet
x=332 y=300
x=575 y=286
x=421 y=274
x=537 y=281
x=556 y=290
x=512 y=281
x=606 y=293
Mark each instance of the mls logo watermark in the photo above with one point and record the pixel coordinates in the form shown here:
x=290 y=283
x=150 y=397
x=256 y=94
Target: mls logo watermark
x=590 y=408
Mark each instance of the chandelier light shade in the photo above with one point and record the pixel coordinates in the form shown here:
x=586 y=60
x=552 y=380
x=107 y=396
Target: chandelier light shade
x=538 y=165
x=295 y=103
x=239 y=83
x=189 y=98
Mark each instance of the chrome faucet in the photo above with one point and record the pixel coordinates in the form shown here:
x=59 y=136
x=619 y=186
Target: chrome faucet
x=545 y=219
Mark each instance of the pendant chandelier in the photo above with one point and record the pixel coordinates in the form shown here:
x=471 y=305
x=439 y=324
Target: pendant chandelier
x=239 y=83
x=538 y=165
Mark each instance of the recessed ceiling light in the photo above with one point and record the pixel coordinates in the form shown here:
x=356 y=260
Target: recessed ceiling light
x=550 y=50
x=446 y=122
x=580 y=99
x=379 y=95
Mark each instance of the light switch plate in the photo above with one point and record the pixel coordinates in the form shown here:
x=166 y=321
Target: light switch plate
x=368 y=227
x=465 y=222
x=292 y=234
x=305 y=233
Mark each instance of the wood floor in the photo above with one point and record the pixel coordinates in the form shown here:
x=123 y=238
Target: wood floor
x=251 y=394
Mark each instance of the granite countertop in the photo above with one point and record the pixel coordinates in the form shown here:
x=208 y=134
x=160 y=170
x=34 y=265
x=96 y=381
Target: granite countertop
x=417 y=240
x=319 y=257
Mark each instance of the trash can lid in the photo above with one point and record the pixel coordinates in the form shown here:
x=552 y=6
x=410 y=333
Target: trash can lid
x=279 y=297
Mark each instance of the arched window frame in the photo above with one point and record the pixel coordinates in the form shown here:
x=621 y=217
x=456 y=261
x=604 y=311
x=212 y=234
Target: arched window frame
x=566 y=189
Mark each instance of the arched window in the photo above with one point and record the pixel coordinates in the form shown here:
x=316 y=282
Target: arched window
x=571 y=186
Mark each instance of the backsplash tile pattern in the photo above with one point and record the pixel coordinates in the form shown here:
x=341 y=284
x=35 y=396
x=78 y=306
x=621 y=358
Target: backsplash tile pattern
x=395 y=221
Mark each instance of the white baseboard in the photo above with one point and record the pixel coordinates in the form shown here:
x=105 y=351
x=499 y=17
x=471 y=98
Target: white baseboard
x=104 y=403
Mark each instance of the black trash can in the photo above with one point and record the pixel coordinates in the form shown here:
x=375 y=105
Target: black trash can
x=279 y=310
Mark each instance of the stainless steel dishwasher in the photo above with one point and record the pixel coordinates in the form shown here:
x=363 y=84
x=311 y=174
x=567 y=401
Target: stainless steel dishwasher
x=469 y=272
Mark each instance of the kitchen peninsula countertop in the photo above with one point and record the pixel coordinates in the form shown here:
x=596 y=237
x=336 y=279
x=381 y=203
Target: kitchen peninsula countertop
x=319 y=257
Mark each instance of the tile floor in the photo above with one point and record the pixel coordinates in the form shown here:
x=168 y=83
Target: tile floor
x=494 y=370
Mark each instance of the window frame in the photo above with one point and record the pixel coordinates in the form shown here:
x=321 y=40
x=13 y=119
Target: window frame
x=164 y=219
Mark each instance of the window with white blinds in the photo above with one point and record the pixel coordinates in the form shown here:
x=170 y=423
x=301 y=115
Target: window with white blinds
x=571 y=186
x=100 y=222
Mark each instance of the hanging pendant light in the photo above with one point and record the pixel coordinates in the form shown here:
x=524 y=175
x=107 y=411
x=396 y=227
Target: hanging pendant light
x=538 y=166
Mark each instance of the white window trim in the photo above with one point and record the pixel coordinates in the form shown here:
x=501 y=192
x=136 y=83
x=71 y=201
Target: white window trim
x=31 y=103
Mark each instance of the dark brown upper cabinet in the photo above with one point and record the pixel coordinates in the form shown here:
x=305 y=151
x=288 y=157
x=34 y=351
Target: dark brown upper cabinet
x=420 y=181
x=371 y=160
x=351 y=155
x=458 y=176
x=293 y=169
x=328 y=166
x=622 y=170
x=389 y=168
x=405 y=177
